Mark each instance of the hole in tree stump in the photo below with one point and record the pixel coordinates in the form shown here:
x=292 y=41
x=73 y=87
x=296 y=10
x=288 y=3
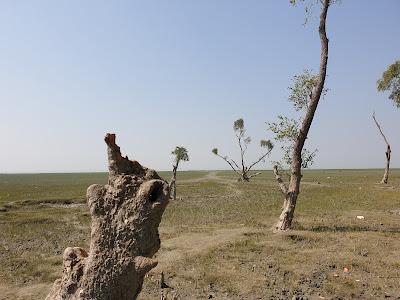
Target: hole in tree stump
x=156 y=192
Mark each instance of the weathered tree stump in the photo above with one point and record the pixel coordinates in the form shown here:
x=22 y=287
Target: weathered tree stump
x=125 y=215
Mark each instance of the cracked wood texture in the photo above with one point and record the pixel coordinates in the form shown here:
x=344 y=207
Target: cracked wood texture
x=125 y=214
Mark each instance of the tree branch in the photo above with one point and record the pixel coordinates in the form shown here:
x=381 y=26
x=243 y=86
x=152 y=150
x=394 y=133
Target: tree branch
x=254 y=175
x=282 y=185
x=260 y=159
x=380 y=130
x=235 y=163
x=233 y=168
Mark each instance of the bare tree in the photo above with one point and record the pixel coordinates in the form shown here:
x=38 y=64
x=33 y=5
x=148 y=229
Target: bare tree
x=306 y=94
x=125 y=214
x=388 y=152
x=243 y=142
x=180 y=154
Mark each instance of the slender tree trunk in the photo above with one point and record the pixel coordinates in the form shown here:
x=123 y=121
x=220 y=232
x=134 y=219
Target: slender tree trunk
x=125 y=215
x=289 y=204
x=243 y=177
x=385 y=178
x=246 y=177
x=388 y=153
x=173 y=181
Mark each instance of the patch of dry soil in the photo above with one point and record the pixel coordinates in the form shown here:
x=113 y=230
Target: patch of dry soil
x=193 y=244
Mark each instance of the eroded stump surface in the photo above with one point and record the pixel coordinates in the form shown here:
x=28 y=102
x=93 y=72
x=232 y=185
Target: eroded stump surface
x=125 y=215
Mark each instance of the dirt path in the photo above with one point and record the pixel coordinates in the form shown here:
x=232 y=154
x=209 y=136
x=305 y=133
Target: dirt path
x=193 y=244
x=213 y=176
x=34 y=291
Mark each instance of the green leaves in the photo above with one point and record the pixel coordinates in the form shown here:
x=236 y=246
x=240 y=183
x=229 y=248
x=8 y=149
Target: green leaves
x=238 y=125
x=307 y=157
x=303 y=89
x=215 y=151
x=286 y=132
x=390 y=81
x=293 y=2
x=266 y=144
x=285 y=129
x=180 y=154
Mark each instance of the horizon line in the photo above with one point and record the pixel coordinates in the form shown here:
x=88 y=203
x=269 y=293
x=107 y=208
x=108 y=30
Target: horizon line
x=199 y=170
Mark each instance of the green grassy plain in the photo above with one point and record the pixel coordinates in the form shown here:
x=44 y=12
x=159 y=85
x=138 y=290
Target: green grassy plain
x=216 y=237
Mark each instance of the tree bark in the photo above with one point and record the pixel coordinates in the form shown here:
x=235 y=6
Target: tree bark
x=231 y=165
x=243 y=177
x=385 y=178
x=289 y=204
x=172 y=184
x=388 y=152
x=125 y=216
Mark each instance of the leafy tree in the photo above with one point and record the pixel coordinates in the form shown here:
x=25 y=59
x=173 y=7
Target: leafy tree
x=390 y=81
x=180 y=154
x=306 y=91
x=243 y=142
x=286 y=132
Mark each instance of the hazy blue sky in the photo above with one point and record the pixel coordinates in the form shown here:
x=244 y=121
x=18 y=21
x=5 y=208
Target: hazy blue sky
x=166 y=73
